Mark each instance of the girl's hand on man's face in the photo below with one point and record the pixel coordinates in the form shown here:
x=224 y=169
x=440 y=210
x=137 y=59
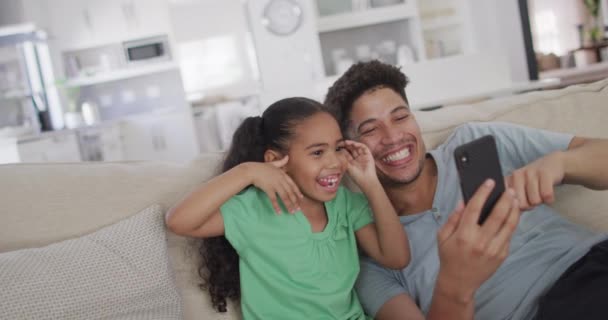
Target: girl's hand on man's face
x=361 y=165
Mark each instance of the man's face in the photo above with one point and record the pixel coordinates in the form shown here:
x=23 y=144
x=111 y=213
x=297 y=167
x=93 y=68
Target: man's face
x=382 y=120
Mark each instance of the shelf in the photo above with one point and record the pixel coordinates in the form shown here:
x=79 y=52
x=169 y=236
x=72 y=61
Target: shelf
x=15 y=95
x=434 y=24
x=121 y=74
x=366 y=17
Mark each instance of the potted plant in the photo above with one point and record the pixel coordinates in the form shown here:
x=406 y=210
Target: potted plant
x=594 y=28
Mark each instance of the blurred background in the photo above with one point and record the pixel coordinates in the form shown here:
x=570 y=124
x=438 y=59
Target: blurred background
x=114 y=80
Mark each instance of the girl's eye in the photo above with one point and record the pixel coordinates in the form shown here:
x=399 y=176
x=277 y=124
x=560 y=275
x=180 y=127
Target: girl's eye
x=317 y=152
x=340 y=149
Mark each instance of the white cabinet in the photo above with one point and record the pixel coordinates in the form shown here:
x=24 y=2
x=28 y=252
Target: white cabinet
x=394 y=31
x=101 y=143
x=446 y=26
x=164 y=137
x=58 y=147
x=78 y=24
x=146 y=18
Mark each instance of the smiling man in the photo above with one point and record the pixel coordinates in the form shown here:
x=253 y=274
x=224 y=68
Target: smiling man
x=532 y=268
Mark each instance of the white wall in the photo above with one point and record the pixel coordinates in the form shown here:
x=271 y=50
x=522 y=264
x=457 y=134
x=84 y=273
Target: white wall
x=213 y=46
x=11 y=12
x=497 y=25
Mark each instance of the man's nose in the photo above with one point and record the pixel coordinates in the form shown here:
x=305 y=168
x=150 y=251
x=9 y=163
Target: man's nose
x=391 y=135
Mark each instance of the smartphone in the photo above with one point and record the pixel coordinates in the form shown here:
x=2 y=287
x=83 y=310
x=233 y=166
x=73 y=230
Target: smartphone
x=476 y=162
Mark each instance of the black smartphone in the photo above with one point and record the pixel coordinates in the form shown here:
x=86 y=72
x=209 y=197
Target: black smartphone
x=476 y=162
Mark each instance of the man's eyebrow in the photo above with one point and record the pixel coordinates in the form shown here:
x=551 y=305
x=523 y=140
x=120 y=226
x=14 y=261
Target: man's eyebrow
x=370 y=120
x=400 y=108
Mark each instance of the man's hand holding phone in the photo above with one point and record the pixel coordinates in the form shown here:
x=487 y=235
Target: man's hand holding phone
x=470 y=253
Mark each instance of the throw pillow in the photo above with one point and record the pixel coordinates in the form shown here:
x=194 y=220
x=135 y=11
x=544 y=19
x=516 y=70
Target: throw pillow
x=119 y=272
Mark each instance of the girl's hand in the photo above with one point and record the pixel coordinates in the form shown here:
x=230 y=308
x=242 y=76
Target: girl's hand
x=269 y=177
x=361 y=165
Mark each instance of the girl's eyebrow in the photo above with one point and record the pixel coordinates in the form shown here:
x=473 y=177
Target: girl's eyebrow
x=323 y=144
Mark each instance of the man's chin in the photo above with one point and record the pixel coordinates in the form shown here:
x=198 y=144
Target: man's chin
x=397 y=181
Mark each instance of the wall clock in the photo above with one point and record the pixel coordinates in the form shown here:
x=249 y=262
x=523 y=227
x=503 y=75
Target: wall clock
x=282 y=17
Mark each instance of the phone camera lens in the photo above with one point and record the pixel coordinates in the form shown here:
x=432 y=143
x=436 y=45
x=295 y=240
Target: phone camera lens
x=464 y=159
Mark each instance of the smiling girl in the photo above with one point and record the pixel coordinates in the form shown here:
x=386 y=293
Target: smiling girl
x=281 y=208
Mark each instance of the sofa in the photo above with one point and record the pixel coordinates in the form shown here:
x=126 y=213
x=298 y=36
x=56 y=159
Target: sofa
x=43 y=205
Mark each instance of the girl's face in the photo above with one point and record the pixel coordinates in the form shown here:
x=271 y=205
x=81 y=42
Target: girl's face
x=317 y=157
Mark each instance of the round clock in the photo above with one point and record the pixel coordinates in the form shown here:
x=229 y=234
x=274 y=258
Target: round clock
x=282 y=17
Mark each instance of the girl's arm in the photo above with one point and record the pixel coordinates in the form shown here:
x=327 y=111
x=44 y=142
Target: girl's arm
x=385 y=240
x=198 y=215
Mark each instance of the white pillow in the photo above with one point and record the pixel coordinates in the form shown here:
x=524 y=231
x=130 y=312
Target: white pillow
x=119 y=272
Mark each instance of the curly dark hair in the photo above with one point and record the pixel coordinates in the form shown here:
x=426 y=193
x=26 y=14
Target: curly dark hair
x=361 y=78
x=273 y=130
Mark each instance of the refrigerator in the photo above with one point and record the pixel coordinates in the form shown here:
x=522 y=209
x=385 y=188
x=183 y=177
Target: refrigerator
x=29 y=100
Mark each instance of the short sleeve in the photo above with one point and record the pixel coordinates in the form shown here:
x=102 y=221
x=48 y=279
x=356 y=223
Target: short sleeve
x=517 y=145
x=358 y=209
x=237 y=216
x=376 y=286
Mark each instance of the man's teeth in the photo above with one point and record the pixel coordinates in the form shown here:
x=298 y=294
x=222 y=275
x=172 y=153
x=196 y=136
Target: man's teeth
x=400 y=155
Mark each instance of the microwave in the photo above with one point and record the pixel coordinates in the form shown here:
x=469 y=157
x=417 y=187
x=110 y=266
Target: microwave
x=146 y=50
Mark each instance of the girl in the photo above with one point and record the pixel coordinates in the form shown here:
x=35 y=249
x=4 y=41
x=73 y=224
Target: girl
x=301 y=265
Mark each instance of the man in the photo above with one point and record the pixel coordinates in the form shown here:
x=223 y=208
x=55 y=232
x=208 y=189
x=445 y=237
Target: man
x=455 y=272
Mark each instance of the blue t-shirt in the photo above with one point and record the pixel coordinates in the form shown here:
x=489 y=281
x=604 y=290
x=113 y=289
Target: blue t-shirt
x=542 y=248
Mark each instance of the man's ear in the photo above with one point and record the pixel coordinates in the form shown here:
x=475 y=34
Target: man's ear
x=272 y=155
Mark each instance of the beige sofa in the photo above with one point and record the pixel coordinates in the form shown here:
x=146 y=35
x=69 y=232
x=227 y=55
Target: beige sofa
x=46 y=203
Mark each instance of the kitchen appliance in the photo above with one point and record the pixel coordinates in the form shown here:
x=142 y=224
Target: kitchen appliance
x=147 y=50
x=29 y=101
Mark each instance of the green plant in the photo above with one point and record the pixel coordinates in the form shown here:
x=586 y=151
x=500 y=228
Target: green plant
x=70 y=95
x=594 y=30
x=593 y=6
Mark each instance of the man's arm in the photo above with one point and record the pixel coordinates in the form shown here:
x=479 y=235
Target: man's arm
x=586 y=163
x=583 y=163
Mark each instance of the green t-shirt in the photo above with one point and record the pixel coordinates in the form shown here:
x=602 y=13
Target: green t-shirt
x=289 y=272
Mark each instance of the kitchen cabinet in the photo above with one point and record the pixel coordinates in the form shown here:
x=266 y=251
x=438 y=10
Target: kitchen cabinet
x=163 y=137
x=446 y=27
x=146 y=18
x=79 y=24
x=101 y=143
x=395 y=31
x=56 y=147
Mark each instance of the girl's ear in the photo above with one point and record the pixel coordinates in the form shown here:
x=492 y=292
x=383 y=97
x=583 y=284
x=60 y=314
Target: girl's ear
x=271 y=155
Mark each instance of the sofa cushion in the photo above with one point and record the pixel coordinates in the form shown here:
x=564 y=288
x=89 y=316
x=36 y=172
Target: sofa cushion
x=119 y=272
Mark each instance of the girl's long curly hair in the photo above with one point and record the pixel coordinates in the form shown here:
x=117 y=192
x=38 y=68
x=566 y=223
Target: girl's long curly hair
x=273 y=130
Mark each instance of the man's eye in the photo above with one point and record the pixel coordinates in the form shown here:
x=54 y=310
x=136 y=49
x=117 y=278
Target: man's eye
x=368 y=131
x=402 y=117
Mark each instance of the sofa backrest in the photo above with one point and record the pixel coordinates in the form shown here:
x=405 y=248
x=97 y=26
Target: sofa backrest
x=45 y=203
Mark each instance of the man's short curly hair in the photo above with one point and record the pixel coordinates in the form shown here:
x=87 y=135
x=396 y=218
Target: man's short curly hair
x=361 y=78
